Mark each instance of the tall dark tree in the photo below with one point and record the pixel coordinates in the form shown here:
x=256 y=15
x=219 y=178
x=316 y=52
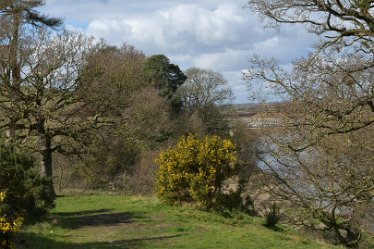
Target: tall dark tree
x=16 y=16
x=166 y=77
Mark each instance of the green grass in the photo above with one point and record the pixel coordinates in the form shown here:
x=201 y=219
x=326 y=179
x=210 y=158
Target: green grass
x=99 y=222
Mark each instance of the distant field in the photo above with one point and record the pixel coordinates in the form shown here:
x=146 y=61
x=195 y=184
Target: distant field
x=103 y=221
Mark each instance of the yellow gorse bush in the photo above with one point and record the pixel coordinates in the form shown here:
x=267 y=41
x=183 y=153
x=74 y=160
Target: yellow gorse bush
x=195 y=169
x=10 y=227
x=7 y=227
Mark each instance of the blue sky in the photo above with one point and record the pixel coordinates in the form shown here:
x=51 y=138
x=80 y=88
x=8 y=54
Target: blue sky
x=214 y=34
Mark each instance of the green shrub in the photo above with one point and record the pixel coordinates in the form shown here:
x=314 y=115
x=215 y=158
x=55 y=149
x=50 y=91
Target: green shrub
x=195 y=170
x=272 y=216
x=25 y=190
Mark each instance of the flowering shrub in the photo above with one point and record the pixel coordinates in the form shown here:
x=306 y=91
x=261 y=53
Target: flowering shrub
x=8 y=227
x=195 y=170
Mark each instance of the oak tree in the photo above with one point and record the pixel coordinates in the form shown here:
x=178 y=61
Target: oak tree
x=40 y=110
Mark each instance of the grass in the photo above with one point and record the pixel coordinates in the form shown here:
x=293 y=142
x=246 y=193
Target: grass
x=104 y=221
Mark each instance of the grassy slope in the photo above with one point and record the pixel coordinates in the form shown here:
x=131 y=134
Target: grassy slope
x=136 y=222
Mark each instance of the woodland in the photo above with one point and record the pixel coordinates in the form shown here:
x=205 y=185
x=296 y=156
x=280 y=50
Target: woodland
x=78 y=115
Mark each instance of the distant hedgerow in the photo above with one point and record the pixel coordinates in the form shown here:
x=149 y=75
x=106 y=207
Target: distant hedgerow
x=195 y=170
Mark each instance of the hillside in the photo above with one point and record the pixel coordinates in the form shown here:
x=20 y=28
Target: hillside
x=102 y=221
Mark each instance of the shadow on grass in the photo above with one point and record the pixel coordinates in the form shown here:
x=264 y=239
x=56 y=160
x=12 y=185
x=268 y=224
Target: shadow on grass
x=31 y=240
x=98 y=218
x=81 y=213
x=275 y=228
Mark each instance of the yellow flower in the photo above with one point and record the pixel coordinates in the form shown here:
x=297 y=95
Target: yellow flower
x=10 y=227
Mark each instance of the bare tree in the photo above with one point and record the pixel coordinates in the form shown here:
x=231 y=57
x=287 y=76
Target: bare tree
x=206 y=94
x=321 y=161
x=203 y=89
x=340 y=21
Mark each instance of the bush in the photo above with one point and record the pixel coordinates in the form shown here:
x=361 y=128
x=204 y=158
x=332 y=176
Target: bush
x=195 y=170
x=272 y=216
x=142 y=180
x=25 y=190
x=8 y=226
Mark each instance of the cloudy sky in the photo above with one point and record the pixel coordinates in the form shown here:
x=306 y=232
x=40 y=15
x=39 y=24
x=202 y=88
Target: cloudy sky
x=214 y=34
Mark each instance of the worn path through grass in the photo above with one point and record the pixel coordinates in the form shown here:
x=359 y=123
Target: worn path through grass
x=103 y=221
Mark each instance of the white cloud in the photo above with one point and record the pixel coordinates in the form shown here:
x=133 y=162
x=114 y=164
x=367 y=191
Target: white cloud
x=111 y=30
x=204 y=26
x=184 y=28
x=285 y=46
x=222 y=61
x=217 y=34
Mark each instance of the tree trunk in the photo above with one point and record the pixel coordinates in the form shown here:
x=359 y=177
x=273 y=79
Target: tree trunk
x=14 y=76
x=45 y=150
x=14 y=56
x=46 y=160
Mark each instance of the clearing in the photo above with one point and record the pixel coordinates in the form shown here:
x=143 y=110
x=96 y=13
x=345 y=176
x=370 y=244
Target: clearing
x=105 y=221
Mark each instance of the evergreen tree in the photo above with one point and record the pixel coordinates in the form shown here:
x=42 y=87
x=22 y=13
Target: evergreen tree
x=165 y=77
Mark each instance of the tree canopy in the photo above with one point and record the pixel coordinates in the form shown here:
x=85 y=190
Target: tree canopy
x=39 y=71
x=207 y=95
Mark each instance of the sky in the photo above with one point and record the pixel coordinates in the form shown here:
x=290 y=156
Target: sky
x=220 y=35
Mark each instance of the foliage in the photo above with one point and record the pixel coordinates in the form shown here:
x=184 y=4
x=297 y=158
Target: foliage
x=272 y=215
x=25 y=189
x=107 y=159
x=151 y=121
x=115 y=154
x=8 y=226
x=39 y=73
x=195 y=170
x=204 y=89
x=206 y=95
x=142 y=180
x=113 y=87
x=166 y=77
x=110 y=78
